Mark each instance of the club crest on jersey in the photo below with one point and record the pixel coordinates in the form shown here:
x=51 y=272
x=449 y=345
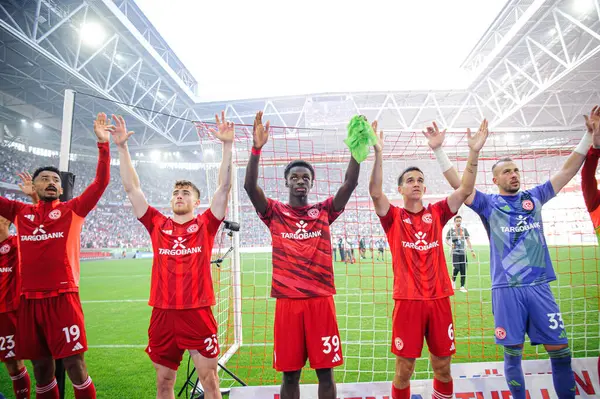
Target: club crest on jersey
x=427 y=218
x=301 y=233
x=527 y=205
x=179 y=248
x=313 y=213
x=5 y=249
x=500 y=333
x=399 y=344
x=39 y=234
x=192 y=228
x=55 y=214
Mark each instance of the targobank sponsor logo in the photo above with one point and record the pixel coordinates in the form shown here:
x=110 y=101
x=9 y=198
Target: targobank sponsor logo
x=179 y=248
x=421 y=243
x=521 y=226
x=39 y=234
x=302 y=233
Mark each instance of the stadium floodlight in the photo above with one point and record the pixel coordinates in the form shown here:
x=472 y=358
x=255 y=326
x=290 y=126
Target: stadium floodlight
x=583 y=6
x=37 y=125
x=92 y=34
x=23 y=120
x=155 y=155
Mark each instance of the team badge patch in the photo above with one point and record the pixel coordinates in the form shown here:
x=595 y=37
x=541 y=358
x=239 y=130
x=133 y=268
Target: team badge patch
x=527 y=205
x=427 y=218
x=4 y=249
x=192 y=228
x=313 y=213
x=399 y=344
x=55 y=214
x=500 y=333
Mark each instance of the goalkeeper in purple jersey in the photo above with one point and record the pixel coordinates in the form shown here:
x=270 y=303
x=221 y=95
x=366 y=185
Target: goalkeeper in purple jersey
x=520 y=264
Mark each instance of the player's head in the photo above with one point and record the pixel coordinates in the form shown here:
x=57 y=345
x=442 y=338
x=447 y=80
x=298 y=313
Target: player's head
x=46 y=183
x=457 y=220
x=299 y=178
x=507 y=176
x=185 y=197
x=411 y=183
x=4 y=226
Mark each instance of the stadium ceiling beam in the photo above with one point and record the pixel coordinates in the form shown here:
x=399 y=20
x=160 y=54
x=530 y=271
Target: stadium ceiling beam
x=559 y=43
x=115 y=70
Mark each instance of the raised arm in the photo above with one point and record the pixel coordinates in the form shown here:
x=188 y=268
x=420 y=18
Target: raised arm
x=26 y=187
x=129 y=177
x=260 y=136
x=589 y=184
x=575 y=160
x=87 y=201
x=350 y=182
x=435 y=139
x=380 y=200
x=225 y=133
x=467 y=184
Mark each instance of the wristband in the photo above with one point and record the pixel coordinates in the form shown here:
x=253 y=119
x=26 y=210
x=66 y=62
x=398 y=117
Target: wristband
x=255 y=151
x=584 y=145
x=442 y=159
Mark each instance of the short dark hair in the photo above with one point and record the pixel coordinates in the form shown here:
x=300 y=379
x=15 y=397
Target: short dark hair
x=45 y=169
x=300 y=163
x=187 y=183
x=505 y=159
x=405 y=171
x=457 y=217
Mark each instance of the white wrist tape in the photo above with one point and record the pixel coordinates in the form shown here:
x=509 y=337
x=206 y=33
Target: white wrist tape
x=584 y=145
x=442 y=159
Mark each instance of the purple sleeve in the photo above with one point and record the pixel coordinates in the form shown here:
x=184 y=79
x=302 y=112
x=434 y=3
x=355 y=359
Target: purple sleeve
x=543 y=192
x=480 y=202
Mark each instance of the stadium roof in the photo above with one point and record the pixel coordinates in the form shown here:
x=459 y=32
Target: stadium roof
x=536 y=68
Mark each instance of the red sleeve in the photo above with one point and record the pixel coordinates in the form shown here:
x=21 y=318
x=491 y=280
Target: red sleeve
x=151 y=218
x=442 y=209
x=332 y=214
x=589 y=185
x=84 y=204
x=388 y=220
x=266 y=218
x=211 y=222
x=9 y=208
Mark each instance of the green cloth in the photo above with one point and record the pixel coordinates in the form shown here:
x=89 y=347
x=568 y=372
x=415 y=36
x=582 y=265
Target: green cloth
x=360 y=138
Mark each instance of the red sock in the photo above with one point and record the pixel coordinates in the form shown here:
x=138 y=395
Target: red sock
x=49 y=391
x=400 y=393
x=87 y=390
x=442 y=390
x=21 y=384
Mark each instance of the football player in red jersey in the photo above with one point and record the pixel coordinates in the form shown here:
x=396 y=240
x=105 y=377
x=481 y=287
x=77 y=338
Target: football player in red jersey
x=305 y=320
x=181 y=290
x=50 y=318
x=421 y=282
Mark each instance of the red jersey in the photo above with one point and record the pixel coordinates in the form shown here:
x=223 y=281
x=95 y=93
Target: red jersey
x=302 y=264
x=9 y=275
x=181 y=275
x=420 y=271
x=48 y=236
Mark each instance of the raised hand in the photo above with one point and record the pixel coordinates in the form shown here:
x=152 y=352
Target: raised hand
x=477 y=141
x=120 y=134
x=379 y=145
x=226 y=129
x=103 y=128
x=435 y=138
x=27 y=183
x=592 y=123
x=260 y=133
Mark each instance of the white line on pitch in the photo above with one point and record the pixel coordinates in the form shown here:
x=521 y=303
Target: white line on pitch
x=117 y=276
x=116 y=346
x=115 y=300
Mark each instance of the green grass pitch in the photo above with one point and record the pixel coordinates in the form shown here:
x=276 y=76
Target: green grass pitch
x=114 y=297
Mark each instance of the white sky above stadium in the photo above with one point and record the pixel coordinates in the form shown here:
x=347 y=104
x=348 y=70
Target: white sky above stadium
x=240 y=49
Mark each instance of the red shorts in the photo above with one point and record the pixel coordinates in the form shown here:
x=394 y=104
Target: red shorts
x=306 y=328
x=8 y=334
x=51 y=327
x=414 y=320
x=172 y=332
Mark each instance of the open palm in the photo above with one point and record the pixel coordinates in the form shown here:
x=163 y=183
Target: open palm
x=435 y=138
x=120 y=134
x=379 y=145
x=592 y=123
x=225 y=130
x=103 y=128
x=260 y=132
x=477 y=140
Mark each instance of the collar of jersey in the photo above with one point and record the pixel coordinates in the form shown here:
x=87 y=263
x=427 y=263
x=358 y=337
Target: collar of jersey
x=45 y=204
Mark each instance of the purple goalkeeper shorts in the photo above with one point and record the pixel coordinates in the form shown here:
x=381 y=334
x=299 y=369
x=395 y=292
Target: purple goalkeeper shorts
x=530 y=309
